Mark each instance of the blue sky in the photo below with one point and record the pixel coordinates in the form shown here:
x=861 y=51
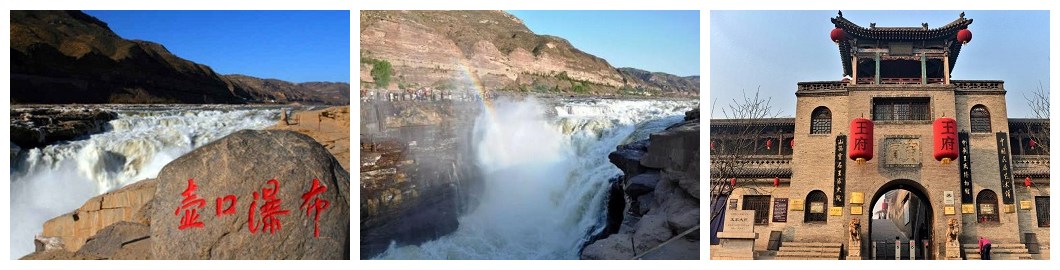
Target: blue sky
x=775 y=50
x=665 y=41
x=296 y=46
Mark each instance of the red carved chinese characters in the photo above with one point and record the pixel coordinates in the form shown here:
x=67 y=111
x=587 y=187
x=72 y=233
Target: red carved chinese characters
x=318 y=204
x=231 y=209
x=269 y=210
x=190 y=205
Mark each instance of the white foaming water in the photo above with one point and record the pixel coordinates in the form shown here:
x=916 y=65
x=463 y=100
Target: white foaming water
x=50 y=181
x=546 y=178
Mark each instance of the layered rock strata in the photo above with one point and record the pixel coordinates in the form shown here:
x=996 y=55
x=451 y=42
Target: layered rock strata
x=661 y=188
x=36 y=127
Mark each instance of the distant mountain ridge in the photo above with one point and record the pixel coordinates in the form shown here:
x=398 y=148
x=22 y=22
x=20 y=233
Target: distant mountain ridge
x=71 y=57
x=431 y=48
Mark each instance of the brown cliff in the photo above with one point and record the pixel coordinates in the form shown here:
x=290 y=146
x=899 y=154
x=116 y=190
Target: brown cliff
x=438 y=48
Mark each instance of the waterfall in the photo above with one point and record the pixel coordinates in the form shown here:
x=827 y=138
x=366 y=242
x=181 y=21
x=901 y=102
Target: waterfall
x=53 y=180
x=546 y=172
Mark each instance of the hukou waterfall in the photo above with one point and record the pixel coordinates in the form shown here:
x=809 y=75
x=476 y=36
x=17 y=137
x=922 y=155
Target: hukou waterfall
x=53 y=180
x=546 y=176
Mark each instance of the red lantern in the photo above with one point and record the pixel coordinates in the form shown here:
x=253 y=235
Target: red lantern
x=964 y=36
x=711 y=144
x=769 y=144
x=776 y=181
x=1033 y=143
x=945 y=139
x=838 y=35
x=733 y=180
x=792 y=143
x=861 y=140
x=1027 y=181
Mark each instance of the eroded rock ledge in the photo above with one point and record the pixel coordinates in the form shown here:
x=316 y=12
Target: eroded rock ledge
x=660 y=186
x=37 y=127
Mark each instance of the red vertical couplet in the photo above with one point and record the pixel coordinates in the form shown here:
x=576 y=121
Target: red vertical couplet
x=945 y=139
x=269 y=210
x=318 y=204
x=231 y=209
x=190 y=205
x=861 y=134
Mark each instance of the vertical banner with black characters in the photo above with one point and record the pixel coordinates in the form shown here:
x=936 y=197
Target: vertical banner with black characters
x=965 y=163
x=840 y=171
x=1003 y=159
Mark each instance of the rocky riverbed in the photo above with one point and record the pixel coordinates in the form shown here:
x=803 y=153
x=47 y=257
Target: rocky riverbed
x=39 y=126
x=138 y=221
x=660 y=198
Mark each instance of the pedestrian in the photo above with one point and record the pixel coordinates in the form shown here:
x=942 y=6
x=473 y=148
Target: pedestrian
x=984 y=248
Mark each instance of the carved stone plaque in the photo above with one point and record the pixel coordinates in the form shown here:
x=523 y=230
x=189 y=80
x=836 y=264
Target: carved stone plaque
x=901 y=152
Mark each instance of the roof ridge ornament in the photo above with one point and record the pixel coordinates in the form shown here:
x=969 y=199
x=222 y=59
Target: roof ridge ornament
x=841 y=14
x=962 y=14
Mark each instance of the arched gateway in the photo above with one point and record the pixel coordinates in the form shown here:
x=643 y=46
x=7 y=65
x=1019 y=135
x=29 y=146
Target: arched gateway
x=900 y=209
x=941 y=154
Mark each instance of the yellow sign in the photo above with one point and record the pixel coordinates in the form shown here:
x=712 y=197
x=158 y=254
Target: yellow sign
x=855 y=210
x=857 y=198
x=835 y=211
x=1025 y=205
x=967 y=209
x=950 y=210
x=797 y=205
x=817 y=207
x=1009 y=208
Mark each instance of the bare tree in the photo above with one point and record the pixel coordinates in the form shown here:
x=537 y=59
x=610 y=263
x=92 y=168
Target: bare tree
x=1038 y=102
x=732 y=147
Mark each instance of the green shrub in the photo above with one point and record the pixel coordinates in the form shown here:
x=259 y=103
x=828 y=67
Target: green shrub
x=381 y=72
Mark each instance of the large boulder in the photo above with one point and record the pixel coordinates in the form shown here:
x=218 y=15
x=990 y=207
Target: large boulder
x=614 y=247
x=642 y=184
x=627 y=157
x=248 y=196
x=673 y=148
x=119 y=241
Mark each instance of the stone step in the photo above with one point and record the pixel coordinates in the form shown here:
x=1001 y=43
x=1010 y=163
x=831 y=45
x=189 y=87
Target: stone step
x=811 y=244
x=975 y=256
x=823 y=255
x=995 y=246
x=806 y=258
x=811 y=249
x=999 y=250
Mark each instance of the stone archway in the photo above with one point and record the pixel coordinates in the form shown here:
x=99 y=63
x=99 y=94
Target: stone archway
x=914 y=218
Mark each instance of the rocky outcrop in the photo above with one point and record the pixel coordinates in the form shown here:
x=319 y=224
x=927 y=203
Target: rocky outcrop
x=120 y=241
x=437 y=49
x=662 y=191
x=37 y=127
x=72 y=230
x=143 y=220
x=416 y=171
x=688 y=85
x=280 y=91
x=330 y=127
